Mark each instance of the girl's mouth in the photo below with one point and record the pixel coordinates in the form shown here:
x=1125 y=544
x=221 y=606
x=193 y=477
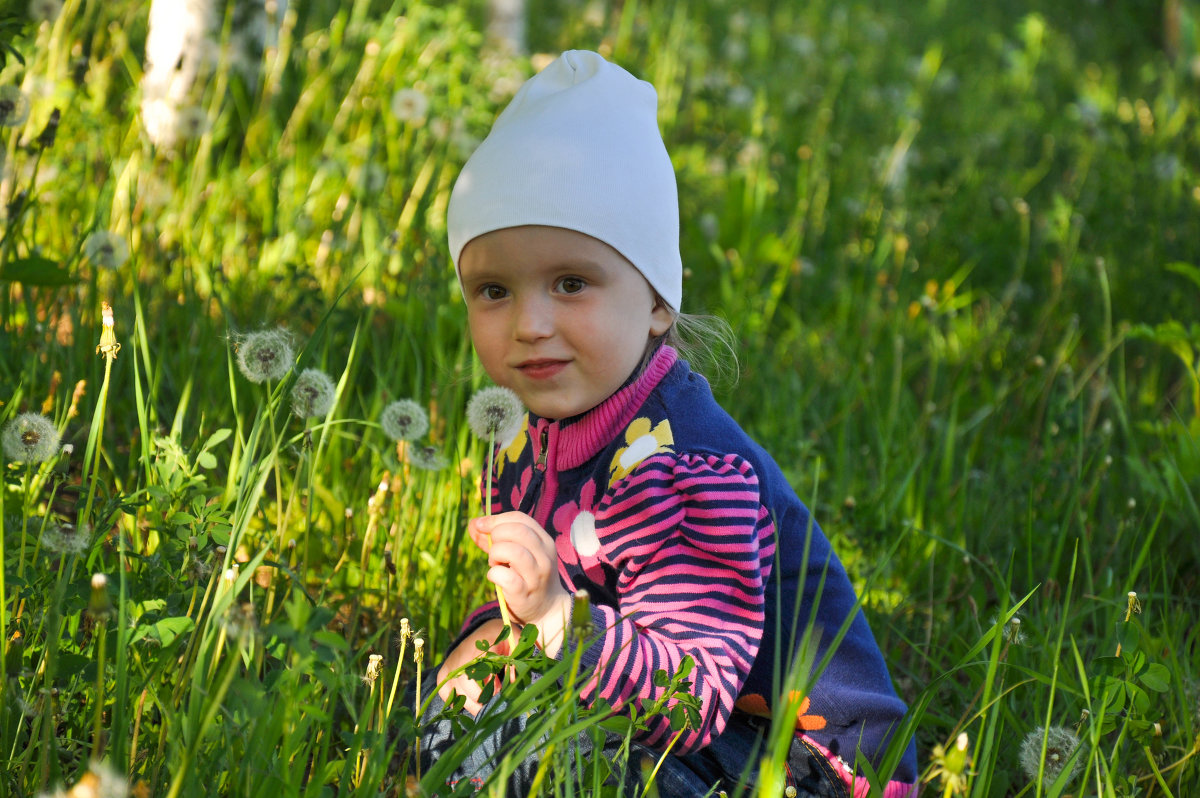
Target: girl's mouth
x=541 y=369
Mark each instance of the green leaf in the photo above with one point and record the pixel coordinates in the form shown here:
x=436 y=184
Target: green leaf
x=206 y=460
x=1111 y=666
x=1156 y=677
x=220 y=533
x=164 y=631
x=36 y=271
x=216 y=438
x=70 y=664
x=1111 y=693
x=1129 y=634
x=1185 y=270
x=1139 y=699
x=331 y=640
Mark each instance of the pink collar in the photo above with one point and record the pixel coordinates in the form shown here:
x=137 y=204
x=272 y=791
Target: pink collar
x=574 y=441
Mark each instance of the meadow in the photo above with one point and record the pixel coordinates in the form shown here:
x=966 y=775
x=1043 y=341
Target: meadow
x=958 y=244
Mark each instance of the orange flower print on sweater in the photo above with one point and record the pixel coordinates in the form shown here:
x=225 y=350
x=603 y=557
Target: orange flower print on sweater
x=755 y=704
x=641 y=441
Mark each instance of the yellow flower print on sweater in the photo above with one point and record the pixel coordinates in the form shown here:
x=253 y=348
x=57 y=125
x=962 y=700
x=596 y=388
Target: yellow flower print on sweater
x=641 y=441
x=512 y=452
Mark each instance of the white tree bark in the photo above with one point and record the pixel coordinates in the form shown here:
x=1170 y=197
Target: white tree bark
x=506 y=24
x=183 y=49
x=180 y=47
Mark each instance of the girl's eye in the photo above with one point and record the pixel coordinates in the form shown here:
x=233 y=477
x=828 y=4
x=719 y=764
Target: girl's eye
x=571 y=285
x=492 y=291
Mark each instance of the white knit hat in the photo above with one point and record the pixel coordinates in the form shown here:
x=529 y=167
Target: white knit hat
x=578 y=147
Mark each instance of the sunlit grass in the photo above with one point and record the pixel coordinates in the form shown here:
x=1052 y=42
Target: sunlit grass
x=953 y=239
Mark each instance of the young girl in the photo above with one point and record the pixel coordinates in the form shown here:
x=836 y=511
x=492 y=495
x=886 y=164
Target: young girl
x=628 y=480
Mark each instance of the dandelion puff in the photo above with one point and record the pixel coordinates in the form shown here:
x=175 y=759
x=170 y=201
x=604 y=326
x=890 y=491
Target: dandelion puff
x=1060 y=745
x=404 y=420
x=494 y=413
x=106 y=249
x=410 y=105
x=240 y=622
x=110 y=783
x=45 y=10
x=100 y=780
x=427 y=458
x=14 y=106
x=30 y=438
x=192 y=122
x=264 y=355
x=65 y=540
x=312 y=395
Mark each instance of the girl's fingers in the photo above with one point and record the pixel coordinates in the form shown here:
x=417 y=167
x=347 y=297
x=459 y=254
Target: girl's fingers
x=507 y=580
x=515 y=556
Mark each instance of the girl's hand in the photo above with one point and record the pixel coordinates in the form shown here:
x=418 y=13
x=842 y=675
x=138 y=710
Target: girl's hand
x=524 y=563
x=465 y=652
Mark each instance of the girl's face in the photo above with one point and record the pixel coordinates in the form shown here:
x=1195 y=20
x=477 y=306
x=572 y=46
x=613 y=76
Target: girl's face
x=559 y=317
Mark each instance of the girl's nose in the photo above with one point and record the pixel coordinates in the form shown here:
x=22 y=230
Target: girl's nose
x=534 y=320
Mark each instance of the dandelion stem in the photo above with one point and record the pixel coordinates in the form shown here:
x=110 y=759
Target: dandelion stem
x=487 y=505
x=107 y=349
x=26 y=507
x=98 y=716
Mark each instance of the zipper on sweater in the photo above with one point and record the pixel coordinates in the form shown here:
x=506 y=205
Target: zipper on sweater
x=545 y=438
x=533 y=490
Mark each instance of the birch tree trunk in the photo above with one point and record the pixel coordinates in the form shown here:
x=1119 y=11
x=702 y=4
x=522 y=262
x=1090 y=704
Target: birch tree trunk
x=506 y=24
x=184 y=48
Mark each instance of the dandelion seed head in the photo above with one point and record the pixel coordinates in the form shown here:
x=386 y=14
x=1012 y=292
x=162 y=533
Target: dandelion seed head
x=427 y=458
x=45 y=10
x=265 y=355
x=494 y=411
x=410 y=105
x=374 y=668
x=14 y=106
x=1060 y=745
x=65 y=540
x=192 y=122
x=1013 y=633
x=109 y=782
x=240 y=622
x=99 y=581
x=404 y=420
x=106 y=249
x=312 y=395
x=30 y=438
x=200 y=570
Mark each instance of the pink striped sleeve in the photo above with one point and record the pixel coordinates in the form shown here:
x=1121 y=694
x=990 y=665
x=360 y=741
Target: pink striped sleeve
x=692 y=546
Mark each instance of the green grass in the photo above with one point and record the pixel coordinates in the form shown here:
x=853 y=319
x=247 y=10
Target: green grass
x=956 y=241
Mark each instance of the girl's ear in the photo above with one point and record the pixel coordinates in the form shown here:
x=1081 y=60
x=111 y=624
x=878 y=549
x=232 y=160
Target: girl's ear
x=661 y=317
